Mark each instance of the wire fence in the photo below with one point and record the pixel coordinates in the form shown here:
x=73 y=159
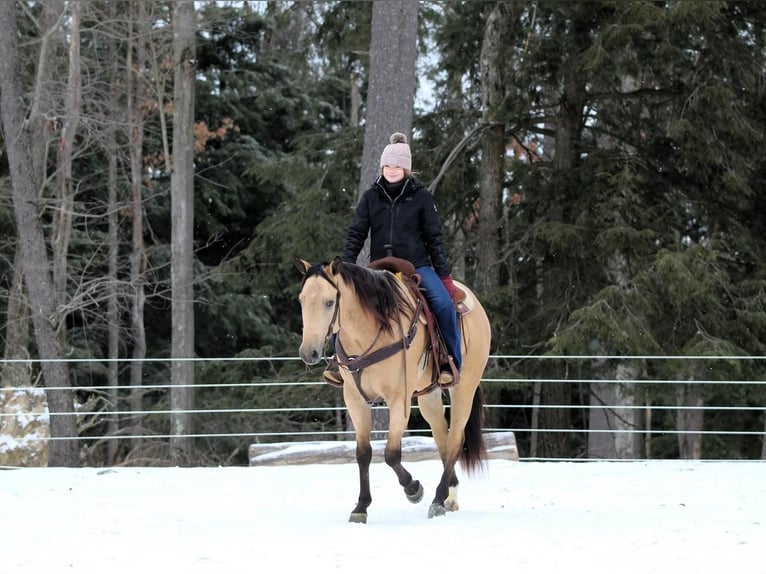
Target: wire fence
x=651 y=409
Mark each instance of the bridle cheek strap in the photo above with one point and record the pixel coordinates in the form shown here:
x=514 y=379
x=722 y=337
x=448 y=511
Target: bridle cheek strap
x=335 y=312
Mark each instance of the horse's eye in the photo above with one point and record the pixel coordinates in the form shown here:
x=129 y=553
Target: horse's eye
x=329 y=303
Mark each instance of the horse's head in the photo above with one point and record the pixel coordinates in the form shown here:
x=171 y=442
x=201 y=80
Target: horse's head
x=319 y=306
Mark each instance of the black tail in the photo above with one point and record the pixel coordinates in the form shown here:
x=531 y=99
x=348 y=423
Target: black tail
x=474 y=452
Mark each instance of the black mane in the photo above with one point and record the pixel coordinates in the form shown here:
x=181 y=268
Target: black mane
x=379 y=292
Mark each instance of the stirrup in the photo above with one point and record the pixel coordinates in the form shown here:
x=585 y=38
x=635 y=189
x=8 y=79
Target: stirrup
x=449 y=375
x=333 y=378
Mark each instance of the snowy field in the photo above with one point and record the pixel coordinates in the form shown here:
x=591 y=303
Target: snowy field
x=518 y=517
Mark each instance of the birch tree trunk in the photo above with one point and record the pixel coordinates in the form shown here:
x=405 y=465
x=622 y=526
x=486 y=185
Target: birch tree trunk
x=182 y=233
x=34 y=258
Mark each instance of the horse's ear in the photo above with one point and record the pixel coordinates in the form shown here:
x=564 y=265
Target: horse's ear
x=336 y=264
x=301 y=264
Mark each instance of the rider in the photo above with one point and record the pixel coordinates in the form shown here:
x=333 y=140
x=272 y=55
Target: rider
x=401 y=217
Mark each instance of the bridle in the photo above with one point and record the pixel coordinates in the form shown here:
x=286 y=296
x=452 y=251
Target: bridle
x=335 y=312
x=357 y=363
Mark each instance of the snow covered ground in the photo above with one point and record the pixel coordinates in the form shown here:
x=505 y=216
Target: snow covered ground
x=518 y=517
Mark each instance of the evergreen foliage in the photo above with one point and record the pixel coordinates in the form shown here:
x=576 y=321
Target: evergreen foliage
x=648 y=241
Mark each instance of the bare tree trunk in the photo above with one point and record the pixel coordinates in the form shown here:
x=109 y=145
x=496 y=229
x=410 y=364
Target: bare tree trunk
x=17 y=397
x=354 y=104
x=391 y=91
x=534 y=423
x=113 y=246
x=390 y=100
x=159 y=81
x=614 y=431
x=34 y=258
x=569 y=125
x=41 y=125
x=689 y=420
x=137 y=256
x=492 y=168
x=556 y=443
x=182 y=197
x=62 y=223
x=112 y=310
x=43 y=117
x=537 y=389
x=16 y=332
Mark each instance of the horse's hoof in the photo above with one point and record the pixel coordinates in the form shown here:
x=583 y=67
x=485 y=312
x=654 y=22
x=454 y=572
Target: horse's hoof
x=436 y=509
x=451 y=505
x=358 y=517
x=416 y=496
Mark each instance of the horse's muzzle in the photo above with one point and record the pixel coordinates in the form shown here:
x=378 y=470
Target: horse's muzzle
x=310 y=356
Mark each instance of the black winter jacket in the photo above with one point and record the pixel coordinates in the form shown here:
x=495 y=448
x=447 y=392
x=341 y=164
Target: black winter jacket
x=409 y=223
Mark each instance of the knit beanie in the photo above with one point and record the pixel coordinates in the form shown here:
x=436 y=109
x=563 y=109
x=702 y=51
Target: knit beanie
x=397 y=153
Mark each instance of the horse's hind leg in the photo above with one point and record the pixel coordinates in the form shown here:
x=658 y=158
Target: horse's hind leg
x=463 y=407
x=361 y=415
x=432 y=409
x=393 y=454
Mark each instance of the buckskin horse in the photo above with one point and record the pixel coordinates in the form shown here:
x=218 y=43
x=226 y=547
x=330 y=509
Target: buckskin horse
x=380 y=331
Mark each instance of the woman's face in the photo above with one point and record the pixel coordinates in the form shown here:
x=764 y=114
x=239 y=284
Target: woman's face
x=393 y=174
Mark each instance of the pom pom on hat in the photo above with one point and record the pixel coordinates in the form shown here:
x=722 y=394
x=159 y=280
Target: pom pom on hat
x=397 y=153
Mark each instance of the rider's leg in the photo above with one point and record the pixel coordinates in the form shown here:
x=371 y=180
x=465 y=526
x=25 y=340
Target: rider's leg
x=443 y=309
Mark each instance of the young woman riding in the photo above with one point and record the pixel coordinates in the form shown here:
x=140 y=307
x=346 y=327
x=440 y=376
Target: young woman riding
x=401 y=217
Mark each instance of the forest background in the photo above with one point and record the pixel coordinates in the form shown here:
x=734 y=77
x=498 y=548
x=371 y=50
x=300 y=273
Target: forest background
x=598 y=167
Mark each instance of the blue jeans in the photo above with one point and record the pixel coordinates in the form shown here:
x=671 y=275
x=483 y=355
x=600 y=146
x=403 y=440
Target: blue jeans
x=444 y=310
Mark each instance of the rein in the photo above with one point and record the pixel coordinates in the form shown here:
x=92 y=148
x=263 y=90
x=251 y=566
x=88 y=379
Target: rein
x=357 y=363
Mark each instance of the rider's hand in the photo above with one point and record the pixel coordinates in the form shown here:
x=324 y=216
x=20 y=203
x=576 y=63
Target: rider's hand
x=449 y=284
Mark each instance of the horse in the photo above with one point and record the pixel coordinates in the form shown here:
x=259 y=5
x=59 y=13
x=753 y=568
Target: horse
x=374 y=318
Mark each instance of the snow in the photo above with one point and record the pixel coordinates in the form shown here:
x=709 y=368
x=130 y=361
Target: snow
x=520 y=517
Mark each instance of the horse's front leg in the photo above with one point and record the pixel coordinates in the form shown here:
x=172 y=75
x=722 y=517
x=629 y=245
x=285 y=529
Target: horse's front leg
x=361 y=416
x=393 y=453
x=363 y=458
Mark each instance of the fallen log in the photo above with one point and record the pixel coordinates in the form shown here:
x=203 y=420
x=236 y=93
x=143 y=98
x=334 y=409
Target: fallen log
x=500 y=445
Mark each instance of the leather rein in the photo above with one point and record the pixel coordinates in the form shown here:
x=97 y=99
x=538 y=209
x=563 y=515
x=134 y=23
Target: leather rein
x=357 y=363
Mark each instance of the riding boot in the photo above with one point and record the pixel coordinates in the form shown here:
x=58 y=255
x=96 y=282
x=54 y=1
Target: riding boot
x=445 y=375
x=449 y=374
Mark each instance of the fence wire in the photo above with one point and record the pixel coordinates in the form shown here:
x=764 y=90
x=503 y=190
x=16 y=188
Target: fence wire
x=113 y=413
